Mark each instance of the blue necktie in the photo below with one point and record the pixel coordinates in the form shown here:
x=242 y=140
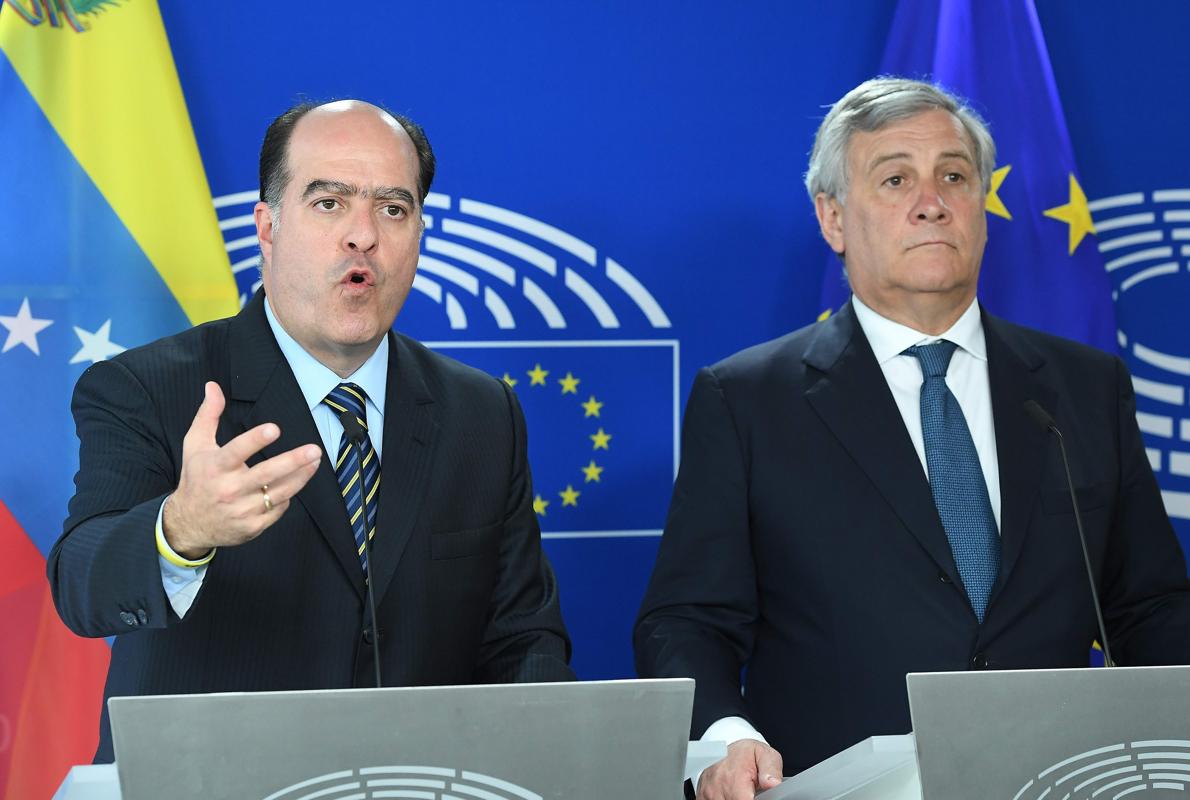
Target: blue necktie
x=956 y=480
x=353 y=461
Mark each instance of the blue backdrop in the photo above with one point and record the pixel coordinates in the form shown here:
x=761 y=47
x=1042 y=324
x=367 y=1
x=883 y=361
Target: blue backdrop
x=668 y=139
x=619 y=202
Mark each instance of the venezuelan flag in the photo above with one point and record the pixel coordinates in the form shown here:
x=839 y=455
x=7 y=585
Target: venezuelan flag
x=109 y=240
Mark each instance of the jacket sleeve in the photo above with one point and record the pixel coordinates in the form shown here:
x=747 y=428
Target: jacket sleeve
x=700 y=609
x=1146 y=595
x=525 y=639
x=104 y=572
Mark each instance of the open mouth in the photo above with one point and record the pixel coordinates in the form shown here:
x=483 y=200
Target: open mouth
x=358 y=277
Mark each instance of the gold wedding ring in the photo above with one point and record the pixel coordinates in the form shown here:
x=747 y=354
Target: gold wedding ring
x=268 y=503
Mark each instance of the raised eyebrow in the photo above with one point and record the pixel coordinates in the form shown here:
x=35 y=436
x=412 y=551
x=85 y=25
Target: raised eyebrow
x=884 y=159
x=956 y=154
x=395 y=193
x=340 y=188
x=944 y=156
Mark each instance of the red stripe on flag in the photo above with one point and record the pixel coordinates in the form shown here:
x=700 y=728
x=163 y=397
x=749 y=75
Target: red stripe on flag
x=51 y=681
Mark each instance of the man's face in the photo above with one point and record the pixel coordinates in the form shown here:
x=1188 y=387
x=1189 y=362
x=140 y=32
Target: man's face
x=339 y=261
x=912 y=229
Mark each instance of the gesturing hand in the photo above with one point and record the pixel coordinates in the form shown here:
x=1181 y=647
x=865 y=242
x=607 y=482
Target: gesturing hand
x=222 y=501
x=749 y=767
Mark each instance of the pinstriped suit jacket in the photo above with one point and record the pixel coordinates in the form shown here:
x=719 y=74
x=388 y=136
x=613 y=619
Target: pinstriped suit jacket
x=464 y=593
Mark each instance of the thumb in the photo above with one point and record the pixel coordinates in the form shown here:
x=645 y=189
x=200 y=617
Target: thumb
x=206 y=420
x=768 y=767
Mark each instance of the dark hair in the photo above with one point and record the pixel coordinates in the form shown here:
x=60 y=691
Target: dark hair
x=274 y=152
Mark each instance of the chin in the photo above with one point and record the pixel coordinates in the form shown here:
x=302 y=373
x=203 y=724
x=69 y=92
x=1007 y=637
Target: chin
x=938 y=275
x=359 y=335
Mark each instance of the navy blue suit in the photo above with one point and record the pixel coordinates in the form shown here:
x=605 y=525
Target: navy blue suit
x=803 y=543
x=464 y=593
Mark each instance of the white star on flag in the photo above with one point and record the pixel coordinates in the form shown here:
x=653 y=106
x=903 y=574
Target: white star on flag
x=97 y=346
x=23 y=329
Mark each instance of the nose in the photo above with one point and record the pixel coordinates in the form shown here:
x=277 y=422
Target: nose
x=361 y=234
x=930 y=206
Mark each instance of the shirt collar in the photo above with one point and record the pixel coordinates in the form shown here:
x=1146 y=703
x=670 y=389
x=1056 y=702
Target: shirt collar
x=316 y=380
x=890 y=339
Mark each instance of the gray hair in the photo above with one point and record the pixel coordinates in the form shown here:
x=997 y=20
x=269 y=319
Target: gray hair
x=875 y=104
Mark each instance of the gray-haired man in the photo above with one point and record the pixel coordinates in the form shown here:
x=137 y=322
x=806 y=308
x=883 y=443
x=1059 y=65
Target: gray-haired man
x=867 y=497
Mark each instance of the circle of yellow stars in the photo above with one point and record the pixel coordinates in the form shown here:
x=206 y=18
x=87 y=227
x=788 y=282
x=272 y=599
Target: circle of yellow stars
x=600 y=440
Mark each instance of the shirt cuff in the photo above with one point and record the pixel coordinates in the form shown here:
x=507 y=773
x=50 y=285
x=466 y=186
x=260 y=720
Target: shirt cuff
x=731 y=730
x=181 y=583
x=167 y=552
x=728 y=730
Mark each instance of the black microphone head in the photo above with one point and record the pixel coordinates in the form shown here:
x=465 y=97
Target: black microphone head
x=1040 y=416
x=355 y=432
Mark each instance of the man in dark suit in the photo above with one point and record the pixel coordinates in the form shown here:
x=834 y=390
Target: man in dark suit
x=868 y=497
x=222 y=543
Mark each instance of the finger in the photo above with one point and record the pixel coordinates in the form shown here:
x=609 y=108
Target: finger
x=206 y=419
x=272 y=470
x=259 y=521
x=282 y=489
x=247 y=444
x=769 y=767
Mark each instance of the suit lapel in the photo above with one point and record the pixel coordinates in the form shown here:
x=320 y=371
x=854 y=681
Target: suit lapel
x=262 y=378
x=410 y=432
x=1021 y=446
x=853 y=399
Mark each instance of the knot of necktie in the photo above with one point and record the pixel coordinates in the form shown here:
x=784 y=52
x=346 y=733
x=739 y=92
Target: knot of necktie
x=934 y=358
x=351 y=398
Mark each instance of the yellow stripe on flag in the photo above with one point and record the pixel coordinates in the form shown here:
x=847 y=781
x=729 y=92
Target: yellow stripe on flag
x=112 y=94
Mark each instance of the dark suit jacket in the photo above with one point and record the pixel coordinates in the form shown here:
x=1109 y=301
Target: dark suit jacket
x=464 y=593
x=803 y=545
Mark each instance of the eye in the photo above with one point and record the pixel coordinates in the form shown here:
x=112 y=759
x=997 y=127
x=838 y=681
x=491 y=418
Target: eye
x=895 y=180
x=327 y=204
x=394 y=211
x=954 y=177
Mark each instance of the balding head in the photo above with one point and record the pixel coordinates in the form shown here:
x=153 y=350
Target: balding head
x=275 y=173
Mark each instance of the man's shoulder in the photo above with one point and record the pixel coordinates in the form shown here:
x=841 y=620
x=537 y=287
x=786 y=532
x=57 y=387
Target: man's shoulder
x=783 y=354
x=1037 y=346
x=443 y=374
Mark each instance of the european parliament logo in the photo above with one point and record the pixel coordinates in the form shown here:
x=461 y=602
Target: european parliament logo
x=429 y=783
x=1144 y=237
x=572 y=330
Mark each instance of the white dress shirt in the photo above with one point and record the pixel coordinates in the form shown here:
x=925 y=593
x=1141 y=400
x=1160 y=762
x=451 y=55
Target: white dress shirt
x=967 y=378
x=316 y=381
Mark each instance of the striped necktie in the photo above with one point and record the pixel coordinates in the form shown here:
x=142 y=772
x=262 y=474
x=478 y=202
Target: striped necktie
x=956 y=479
x=354 y=461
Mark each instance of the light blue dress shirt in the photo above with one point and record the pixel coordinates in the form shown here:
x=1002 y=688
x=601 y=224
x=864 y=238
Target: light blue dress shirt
x=316 y=381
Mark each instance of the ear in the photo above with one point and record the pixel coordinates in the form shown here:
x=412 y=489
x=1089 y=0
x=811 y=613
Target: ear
x=830 y=220
x=264 y=230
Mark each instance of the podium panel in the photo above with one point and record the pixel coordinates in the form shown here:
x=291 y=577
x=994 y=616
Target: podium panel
x=506 y=742
x=1107 y=734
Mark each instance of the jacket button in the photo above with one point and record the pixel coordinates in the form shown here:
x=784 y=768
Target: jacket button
x=979 y=661
x=142 y=616
x=368 y=635
x=942 y=576
x=129 y=619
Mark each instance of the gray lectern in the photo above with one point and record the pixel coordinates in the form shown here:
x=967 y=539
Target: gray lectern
x=508 y=742
x=1070 y=734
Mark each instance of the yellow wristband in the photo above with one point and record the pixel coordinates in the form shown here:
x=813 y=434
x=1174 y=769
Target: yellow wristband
x=167 y=552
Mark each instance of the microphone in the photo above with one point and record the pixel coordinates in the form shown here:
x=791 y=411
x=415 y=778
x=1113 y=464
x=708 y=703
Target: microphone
x=356 y=433
x=1047 y=424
